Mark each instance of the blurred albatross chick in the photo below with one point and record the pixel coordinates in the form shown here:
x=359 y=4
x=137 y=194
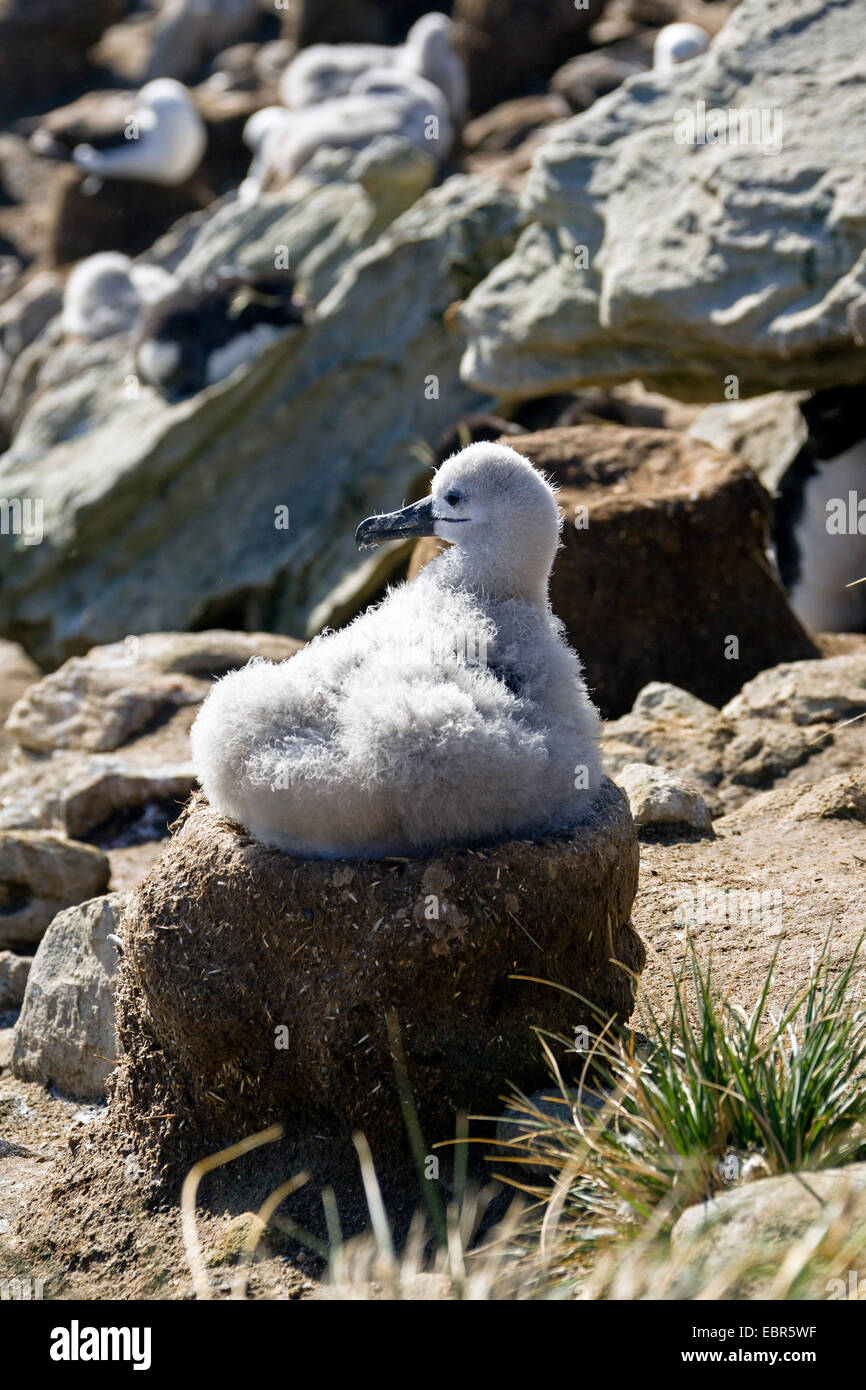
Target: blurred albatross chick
x=161 y=139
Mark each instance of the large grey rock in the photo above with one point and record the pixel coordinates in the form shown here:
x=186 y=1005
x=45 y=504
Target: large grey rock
x=763 y=1222
x=341 y=203
x=701 y=260
x=170 y=516
x=65 y=1034
x=805 y=692
x=99 y=701
x=39 y=875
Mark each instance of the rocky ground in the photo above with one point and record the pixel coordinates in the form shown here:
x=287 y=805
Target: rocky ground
x=771 y=871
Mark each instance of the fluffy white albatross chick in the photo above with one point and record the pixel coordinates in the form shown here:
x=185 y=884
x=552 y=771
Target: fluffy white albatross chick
x=326 y=70
x=382 y=101
x=453 y=713
x=678 y=43
x=106 y=293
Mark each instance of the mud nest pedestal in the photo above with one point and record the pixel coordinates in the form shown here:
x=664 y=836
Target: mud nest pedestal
x=256 y=987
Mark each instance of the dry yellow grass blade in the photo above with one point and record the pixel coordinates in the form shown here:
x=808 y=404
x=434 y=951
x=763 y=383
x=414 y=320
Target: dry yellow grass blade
x=191 y=1242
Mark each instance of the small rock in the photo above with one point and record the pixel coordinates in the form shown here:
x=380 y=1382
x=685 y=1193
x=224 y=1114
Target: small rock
x=39 y=875
x=765 y=431
x=14 y=970
x=134 y=701
x=99 y=701
x=582 y=80
x=91 y=707
x=657 y=797
x=65 y=1035
x=228 y=1242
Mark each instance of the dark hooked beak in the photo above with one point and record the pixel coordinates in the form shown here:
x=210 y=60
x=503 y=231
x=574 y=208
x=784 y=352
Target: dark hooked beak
x=417 y=520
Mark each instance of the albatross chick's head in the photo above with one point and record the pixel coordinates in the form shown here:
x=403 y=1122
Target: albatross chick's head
x=498 y=511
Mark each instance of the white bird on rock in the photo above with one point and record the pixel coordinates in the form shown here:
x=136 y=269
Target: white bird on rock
x=679 y=43
x=452 y=713
x=162 y=142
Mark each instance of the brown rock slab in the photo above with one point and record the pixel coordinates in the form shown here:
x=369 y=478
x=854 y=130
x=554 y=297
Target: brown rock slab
x=44 y=45
x=116 y=214
x=663 y=562
x=512 y=122
x=504 y=43
x=255 y=986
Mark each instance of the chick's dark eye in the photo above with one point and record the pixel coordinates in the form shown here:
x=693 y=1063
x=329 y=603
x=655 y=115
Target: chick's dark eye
x=452 y=498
